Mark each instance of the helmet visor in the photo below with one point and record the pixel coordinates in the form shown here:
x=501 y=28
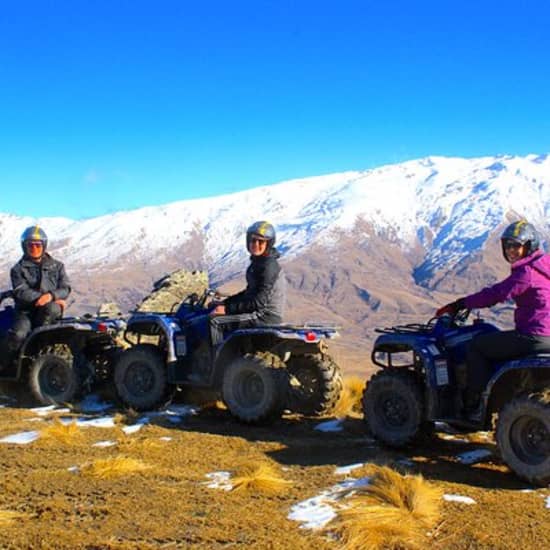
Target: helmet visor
x=508 y=244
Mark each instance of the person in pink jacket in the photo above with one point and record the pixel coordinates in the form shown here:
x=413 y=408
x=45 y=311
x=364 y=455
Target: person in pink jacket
x=528 y=285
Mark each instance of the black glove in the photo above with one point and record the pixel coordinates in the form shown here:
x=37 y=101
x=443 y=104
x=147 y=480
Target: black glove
x=451 y=309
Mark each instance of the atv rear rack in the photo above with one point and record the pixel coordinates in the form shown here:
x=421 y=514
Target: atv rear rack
x=412 y=328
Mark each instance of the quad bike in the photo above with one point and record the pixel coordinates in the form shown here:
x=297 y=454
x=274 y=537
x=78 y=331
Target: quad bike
x=422 y=381
x=59 y=360
x=259 y=372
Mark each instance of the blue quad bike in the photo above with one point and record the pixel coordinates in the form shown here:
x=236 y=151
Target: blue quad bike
x=57 y=362
x=258 y=372
x=422 y=381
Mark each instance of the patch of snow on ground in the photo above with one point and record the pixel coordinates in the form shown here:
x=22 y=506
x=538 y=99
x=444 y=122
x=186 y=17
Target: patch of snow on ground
x=330 y=426
x=219 y=480
x=471 y=457
x=459 y=498
x=21 y=438
x=48 y=409
x=181 y=410
x=93 y=403
x=99 y=422
x=344 y=470
x=317 y=511
x=133 y=428
x=104 y=444
x=547 y=502
x=312 y=513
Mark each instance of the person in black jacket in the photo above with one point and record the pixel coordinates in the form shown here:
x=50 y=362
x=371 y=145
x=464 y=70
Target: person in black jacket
x=40 y=287
x=262 y=302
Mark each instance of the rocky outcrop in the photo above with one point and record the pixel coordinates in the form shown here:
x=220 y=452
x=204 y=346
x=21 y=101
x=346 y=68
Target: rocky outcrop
x=172 y=289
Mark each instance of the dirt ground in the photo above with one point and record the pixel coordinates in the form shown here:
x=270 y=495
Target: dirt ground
x=55 y=502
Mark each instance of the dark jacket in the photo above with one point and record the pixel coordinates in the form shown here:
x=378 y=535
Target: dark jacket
x=265 y=291
x=529 y=286
x=30 y=280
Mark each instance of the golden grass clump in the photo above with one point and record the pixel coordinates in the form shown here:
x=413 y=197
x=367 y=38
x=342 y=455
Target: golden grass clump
x=8 y=517
x=259 y=477
x=393 y=511
x=113 y=467
x=68 y=434
x=128 y=417
x=350 y=400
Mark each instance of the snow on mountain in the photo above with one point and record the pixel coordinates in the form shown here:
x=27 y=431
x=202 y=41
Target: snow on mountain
x=448 y=206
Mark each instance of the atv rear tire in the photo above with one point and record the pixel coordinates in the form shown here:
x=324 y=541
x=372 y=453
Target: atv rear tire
x=52 y=379
x=315 y=384
x=523 y=437
x=140 y=377
x=393 y=406
x=254 y=387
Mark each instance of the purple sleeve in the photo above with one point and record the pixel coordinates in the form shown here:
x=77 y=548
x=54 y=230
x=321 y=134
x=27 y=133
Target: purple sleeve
x=512 y=286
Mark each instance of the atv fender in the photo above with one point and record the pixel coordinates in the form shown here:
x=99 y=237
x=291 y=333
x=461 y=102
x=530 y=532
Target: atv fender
x=155 y=325
x=41 y=336
x=527 y=374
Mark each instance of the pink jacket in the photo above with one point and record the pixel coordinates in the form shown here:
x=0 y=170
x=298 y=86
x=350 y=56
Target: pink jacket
x=529 y=286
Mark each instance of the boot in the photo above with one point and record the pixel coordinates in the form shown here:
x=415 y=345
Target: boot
x=473 y=407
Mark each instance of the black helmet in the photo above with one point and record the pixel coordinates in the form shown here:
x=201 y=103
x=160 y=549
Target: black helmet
x=521 y=232
x=264 y=230
x=33 y=233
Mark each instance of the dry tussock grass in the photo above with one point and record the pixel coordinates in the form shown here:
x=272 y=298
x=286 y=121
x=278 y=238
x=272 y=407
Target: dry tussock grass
x=350 y=400
x=8 y=517
x=261 y=477
x=66 y=434
x=144 y=445
x=129 y=416
x=114 y=467
x=394 y=511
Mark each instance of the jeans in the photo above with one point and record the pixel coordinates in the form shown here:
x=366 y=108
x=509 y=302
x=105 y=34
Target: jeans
x=26 y=320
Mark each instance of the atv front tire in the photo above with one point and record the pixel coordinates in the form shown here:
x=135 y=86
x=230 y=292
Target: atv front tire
x=254 y=387
x=523 y=437
x=52 y=379
x=315 y=384
x=140 y=377
x=393 y=406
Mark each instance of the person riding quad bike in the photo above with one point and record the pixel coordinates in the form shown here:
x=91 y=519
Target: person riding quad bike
x=262 y=302
x=40 y=288
x=529 y=286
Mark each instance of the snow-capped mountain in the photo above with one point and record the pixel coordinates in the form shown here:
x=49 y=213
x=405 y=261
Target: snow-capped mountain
x=418 y=226
x=448 y=205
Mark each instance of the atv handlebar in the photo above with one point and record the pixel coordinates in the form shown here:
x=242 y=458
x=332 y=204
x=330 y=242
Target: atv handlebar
x=198 y=302
x=459 y=317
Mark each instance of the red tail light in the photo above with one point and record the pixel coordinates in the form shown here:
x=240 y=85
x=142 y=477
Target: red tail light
x=102 y=327
x=310 y=337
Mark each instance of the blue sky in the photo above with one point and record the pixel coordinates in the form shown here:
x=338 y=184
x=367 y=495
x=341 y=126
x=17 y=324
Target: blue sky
x=112 y=105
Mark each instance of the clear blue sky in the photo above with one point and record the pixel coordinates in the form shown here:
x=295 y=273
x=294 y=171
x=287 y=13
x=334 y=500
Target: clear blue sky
x=111 y=105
